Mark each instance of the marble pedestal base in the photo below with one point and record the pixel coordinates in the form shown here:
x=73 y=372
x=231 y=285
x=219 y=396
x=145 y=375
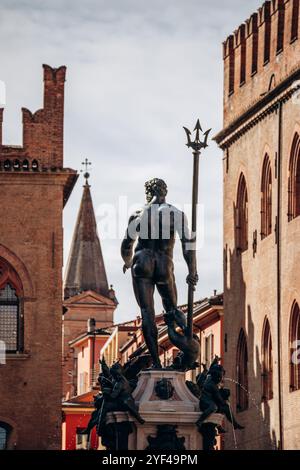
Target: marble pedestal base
x=180 y=412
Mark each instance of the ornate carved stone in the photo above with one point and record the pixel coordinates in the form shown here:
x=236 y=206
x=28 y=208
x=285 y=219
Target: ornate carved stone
x=164 y=389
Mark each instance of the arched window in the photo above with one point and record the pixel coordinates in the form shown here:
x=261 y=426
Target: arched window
x=242 y=215
x=10 y=309
x=267 y=363
x=266 y=199
x=5 y=431
x=242 y=373
x=294 y=347
x=294 y=180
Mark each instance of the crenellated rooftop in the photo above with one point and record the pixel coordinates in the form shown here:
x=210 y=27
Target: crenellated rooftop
x=259 y=55
x=42 y=130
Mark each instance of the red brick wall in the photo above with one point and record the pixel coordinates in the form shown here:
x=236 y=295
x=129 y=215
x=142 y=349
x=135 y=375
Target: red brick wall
x=31 y=240
x=250 y=278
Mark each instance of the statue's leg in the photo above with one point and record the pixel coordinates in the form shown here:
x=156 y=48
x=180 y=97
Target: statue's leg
x=144 y=292
x=166 y=286
x=207 y=411
x=165 y=282
x=143 y=286
x=230 y=416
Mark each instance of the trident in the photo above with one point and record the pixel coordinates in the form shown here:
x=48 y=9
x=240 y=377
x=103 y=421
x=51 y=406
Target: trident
x=196 y=146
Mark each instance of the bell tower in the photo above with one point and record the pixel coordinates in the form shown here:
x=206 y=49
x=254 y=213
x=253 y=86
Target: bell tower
x=87 y=294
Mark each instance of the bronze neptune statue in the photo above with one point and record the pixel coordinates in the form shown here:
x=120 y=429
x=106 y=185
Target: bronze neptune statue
x=154 y=228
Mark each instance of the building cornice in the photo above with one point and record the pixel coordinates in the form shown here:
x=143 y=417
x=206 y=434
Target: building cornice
x=65 y=177
x=257 y=112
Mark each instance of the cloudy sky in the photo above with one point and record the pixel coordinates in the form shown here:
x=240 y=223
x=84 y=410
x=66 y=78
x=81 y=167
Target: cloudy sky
x=137 y=71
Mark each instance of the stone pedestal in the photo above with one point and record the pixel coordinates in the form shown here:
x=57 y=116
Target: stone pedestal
x=170 y=412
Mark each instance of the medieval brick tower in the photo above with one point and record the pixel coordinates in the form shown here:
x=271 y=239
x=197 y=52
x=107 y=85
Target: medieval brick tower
x=34 y=188
x=261 y=143
x=86 y=292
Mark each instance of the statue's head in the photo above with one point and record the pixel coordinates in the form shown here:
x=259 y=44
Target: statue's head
x=116 y=370
x=155 y=187
x=217 y=373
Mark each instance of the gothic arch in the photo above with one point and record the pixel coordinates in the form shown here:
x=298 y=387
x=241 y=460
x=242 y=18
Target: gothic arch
x=19 y=267
x=242 y=402
x=294 y=337
x=267 y=361
x=266 y=198
x=241 y=216
x=13 y=436
x=294 y=179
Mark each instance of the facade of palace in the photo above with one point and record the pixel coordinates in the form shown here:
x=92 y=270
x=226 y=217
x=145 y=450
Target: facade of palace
x=34 y=187
x=261 y=144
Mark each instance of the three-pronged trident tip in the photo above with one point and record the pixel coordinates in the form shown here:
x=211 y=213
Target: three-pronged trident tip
x=197 y=144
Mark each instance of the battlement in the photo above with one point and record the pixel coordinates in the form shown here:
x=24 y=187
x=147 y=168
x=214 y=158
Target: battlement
x=42 y=130
x=260 y=54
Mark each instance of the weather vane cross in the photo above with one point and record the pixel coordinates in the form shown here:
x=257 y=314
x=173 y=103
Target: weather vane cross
x=86 y=165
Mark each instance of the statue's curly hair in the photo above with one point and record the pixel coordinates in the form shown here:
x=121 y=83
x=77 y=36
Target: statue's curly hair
x=156 y=185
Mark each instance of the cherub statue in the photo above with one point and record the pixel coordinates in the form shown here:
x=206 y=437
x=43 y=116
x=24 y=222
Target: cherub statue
x=214 y=398
x=121 y=393
x=115 y=395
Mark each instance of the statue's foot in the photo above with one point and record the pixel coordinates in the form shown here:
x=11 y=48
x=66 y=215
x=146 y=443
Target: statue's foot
x=156 y=365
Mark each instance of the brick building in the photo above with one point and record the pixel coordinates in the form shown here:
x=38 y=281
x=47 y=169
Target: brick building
x=34 y=187
x=261 y=144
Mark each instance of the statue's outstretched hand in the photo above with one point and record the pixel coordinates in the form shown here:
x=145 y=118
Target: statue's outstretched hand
x=125 y=267
x=192 y=279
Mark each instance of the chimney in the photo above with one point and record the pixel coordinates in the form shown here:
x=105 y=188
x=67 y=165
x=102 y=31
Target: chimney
x=91 y=325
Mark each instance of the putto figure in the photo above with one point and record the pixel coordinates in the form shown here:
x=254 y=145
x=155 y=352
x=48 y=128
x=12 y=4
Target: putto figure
x=151 y=261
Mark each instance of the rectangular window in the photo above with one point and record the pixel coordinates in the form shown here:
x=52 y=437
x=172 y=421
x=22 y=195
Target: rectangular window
x=9 y=326
x=83 y=383
x=295 y=20
x=254 y=45
x=267 y=45
x=209 y=349
x=243 y=61
x=81 y=439
x=280 y=26
x=231 y=66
